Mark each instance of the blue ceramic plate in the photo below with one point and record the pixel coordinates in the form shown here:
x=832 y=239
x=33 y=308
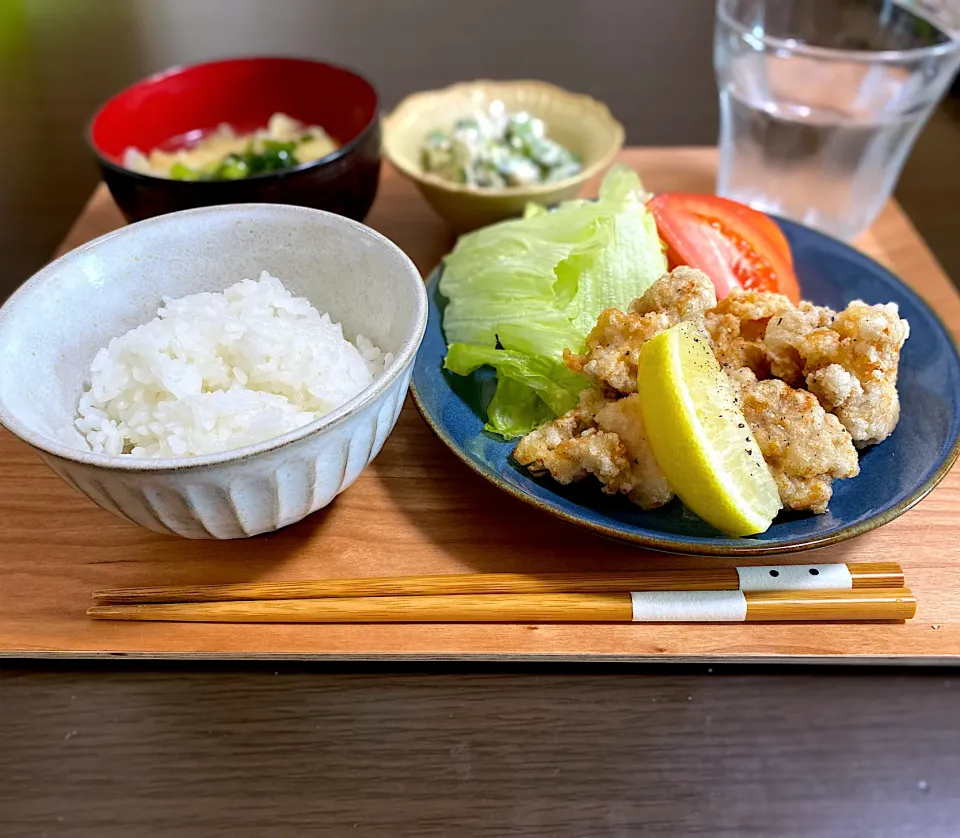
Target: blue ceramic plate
x=894 y=475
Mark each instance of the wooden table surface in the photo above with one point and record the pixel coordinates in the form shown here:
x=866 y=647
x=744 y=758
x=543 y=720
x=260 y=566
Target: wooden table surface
x=292 y=749
x=418 y=510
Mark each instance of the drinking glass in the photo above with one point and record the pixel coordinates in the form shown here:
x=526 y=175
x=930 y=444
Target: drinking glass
x=821 y=101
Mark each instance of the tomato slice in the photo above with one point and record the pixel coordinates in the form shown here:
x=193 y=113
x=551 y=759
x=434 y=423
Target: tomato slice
x=772 y=230
x=731 y=243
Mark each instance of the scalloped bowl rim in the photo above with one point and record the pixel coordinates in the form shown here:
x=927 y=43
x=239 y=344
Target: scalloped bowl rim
x=585 y=101
x=402 y=359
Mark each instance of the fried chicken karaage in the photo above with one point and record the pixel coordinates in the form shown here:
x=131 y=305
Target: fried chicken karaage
x=602 y=437
x=813 y=385
x=805 y=447
x=614 y=344
x=736 y=326
x=848 y=361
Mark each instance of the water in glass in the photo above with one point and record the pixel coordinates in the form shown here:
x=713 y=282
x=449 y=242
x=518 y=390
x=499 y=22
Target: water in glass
x=818 y=135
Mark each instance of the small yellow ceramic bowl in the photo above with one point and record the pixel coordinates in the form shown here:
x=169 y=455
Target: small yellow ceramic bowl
x=581 y=124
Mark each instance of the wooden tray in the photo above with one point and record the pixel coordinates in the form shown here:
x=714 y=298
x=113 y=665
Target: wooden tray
x=417 y=509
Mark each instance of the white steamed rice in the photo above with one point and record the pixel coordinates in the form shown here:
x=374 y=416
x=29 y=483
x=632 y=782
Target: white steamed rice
x=219 y=371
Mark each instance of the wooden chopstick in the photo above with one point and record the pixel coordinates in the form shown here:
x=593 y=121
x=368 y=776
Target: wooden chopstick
x=669 y=606
x=861 y=575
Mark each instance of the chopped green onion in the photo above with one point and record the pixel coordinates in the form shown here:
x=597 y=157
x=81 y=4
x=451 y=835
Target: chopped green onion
x=178 y=171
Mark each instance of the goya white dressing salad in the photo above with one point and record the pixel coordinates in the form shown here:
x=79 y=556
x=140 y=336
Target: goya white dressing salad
x=496 y=148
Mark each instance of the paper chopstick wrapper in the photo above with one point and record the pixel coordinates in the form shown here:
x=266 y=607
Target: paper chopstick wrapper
x=731 y=606
x=796 y=577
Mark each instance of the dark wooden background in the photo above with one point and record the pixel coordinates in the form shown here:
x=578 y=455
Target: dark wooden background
x=130 y=749
x=284 y=750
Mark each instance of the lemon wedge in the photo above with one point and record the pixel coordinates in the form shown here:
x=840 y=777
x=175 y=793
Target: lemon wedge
x=699 y=436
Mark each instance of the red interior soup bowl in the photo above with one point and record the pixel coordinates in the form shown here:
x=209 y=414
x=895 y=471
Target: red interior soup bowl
x=175 y=107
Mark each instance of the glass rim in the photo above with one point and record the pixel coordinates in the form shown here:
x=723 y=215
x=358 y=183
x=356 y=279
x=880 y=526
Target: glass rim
x=860 y=55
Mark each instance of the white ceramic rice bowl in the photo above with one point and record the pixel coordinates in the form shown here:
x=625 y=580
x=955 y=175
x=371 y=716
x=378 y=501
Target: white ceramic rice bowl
x=52 y=327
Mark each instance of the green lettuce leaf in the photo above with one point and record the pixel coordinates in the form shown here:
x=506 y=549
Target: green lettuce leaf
x=514 y=409
x=528 y=288
x=530 y=388
x=632 y=258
